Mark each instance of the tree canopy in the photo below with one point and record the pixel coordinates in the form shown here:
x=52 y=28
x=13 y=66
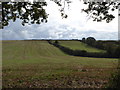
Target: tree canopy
x=34 y=13
x=100 y=10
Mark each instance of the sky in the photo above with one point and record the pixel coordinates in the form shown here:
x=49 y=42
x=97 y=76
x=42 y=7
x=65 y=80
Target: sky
x=76 y=26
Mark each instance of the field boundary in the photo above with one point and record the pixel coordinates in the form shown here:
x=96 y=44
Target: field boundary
x=82 y=53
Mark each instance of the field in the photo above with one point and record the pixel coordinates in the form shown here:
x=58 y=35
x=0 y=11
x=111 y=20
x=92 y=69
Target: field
x=38 y=64
x=77 y=45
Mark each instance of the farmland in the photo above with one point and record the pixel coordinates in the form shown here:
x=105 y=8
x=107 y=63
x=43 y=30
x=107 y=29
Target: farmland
x=38 y=64
x=79 y=46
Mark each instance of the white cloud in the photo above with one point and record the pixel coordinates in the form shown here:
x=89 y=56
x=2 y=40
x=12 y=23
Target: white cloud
x=75 y=26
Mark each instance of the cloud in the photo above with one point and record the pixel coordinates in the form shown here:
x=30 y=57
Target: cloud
x=76 y=26
x=56 y=32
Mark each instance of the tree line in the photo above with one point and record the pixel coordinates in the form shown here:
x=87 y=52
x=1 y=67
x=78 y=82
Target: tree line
x=112 y=48
x=84 y=53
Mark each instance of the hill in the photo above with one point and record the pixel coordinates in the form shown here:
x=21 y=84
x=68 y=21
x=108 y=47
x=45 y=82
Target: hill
x=39 y=64
x=77 y=45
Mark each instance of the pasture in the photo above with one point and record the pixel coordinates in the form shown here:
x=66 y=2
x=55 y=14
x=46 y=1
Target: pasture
x=77 y=45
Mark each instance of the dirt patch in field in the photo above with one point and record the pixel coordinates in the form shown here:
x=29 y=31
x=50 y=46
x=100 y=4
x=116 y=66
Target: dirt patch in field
x=88 y=78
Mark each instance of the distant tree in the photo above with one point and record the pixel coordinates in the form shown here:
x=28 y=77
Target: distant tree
x=109 y=49
x=99 y=45
x=83 y=40
x=117 y=52
x=91 y=41
x=56 y=42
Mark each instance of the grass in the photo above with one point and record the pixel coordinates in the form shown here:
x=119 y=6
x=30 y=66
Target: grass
x=39 y=64
x=77 y=45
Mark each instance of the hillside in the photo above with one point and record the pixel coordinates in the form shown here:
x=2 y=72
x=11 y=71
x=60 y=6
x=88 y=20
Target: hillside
x=77 y=45
x=39 y=64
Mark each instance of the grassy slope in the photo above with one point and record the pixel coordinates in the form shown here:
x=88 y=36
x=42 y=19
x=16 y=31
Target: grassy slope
x=79 y=46
x=26 y=62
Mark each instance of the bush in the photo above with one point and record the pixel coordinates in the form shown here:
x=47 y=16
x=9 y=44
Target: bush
x=115 y=80
x=79 y=53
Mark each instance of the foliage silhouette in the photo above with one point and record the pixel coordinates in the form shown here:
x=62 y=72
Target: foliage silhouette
x=90 y=41
x=99 y=11
x=82 y=53
x=27 y=12
x=34 y=13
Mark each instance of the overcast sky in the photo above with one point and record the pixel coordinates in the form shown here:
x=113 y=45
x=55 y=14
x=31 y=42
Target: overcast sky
x=76 y=26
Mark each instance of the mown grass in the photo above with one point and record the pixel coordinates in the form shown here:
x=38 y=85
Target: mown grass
x=77 y=45
x=39 y=64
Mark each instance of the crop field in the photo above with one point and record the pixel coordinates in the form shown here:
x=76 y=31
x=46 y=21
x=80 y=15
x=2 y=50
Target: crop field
x=38 y=64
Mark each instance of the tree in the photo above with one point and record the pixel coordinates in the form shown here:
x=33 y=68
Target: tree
x=56 y=42
x=83 y=40
x=99 y=45
x=36 y=14
x=117 y=52
x=109 y=50
x=99 y=11
x=91 y=41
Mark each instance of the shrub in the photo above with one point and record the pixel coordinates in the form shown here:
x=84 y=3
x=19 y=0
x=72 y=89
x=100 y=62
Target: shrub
x=114 y=81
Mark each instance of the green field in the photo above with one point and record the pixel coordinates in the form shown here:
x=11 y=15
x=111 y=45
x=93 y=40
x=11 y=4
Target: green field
x=39 y=64
x=77 y=45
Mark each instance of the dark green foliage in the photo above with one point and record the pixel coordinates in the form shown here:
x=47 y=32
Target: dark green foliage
x=82 y=53
x=109 y=49
x=90 y=41
x=29 y=13
x=100 y=10
x=99 y=45
x=56 y=42
x=115 y=80
x=112 y=47
x=35 y=14
x=83 y=40
x=117 y=51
